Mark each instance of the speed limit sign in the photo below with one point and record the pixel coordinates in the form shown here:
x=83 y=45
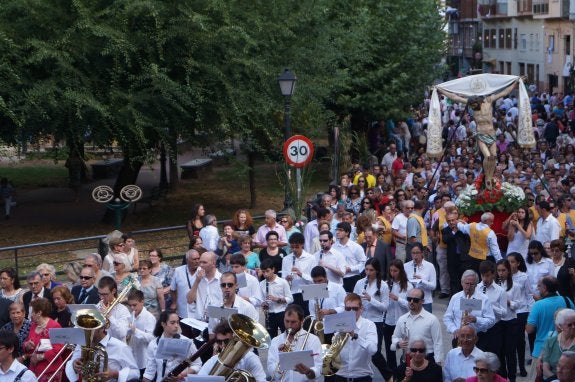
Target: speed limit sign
x=298 y=151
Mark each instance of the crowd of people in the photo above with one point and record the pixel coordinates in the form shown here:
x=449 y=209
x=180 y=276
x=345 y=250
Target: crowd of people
x=384 y=241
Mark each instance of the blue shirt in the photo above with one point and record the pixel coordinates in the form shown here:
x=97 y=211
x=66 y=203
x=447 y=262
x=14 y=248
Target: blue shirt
x=542 y=318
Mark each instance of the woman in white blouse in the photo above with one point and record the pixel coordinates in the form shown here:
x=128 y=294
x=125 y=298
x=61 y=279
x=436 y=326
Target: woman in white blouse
x=539 y=265
x=399 y=287
x=519 y=231
x=374 y=294
x=521 y=281
x=168 y=327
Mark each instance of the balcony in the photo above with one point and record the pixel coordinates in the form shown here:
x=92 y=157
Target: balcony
x=497 y=8
x=550 y=9
x=524 y=7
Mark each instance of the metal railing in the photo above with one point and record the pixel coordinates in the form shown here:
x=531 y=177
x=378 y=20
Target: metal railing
x=173 y=241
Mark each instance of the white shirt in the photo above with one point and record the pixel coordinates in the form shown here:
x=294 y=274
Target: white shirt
x=120 y=358
x=252 y=290
x=15 y=369
x=155 y=365
x=143 y=334
x=242 y=306
x=249 y=362
x=521 y=279
x=312 y=344
x=388 y=159
x=278 y=288
x=335 y=300
x=356 y=354
x=485 y=317
x=547 y=229
x=375 y=308
x=491 y=238
x=309 y=233
x=181 y=284
x=208 y=293
x=210 y=237
x=428 y=279
x=354 y=256
x=397 y=308
x=304 y=263
x=119 y=319
x=536 y=271
x=334 y=259
x=514 y=296
x=399 y=224
x=458 y=365
x=423 y=325
x=497 y=298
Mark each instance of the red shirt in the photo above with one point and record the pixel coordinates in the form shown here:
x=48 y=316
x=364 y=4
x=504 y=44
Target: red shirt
x=396 y=166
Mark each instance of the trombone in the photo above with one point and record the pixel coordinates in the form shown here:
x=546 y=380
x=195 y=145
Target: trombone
x=89 y=320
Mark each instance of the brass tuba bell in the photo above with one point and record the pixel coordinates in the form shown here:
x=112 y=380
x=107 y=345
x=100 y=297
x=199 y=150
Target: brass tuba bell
x=93 y=355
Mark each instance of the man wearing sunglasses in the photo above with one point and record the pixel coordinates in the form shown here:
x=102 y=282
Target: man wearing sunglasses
x=358 y=350
x=250 y=362
x=330 y=259
x=418 y=323
x=86 y=292
x=229 y=287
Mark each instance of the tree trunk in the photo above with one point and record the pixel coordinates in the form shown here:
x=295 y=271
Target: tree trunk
x=174 y=176
x=128 y=175
x=252 y=177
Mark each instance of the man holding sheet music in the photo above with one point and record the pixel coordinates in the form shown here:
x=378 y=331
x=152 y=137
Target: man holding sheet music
x=301 y=372
x=231 y=303
x=206 y=287
x=296 y=268
x=330 y=304
x=469 y=307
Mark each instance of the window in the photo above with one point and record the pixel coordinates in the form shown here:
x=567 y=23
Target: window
x=486 y=40
x=508 y=39
x=523 y=42
x=568 y=45
x=515 y=38
x=493 y=38
x=501 y=38
x=521 y=69
x=551 y=44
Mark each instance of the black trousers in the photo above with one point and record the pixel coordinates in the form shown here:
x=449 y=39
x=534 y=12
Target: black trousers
x=276 y=322
x=378 y=359
x=521 y=322
x=389 y=354
x=298 y=299
x=491 y=340
x=349 y=283
x=358 y=379
x=511 y=331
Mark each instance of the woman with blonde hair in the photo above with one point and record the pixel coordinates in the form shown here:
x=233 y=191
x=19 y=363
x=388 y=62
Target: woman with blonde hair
x=121 y=273
x=61 y=297
x=48 y=274
x=72 y=271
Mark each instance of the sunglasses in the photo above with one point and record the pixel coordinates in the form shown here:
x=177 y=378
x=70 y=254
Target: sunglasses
x=227 y=285
x=413 y=299
x=417 y=350
x=480 y=370
x=350 y=308
x=366 y=202
x=85 y=277
x=222 y=342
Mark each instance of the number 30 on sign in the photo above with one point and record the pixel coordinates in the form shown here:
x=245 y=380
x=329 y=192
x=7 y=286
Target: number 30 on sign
x=298 y=151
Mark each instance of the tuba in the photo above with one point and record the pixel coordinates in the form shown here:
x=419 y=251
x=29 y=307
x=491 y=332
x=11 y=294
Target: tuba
x=93 y=355
x=247 y=334
x=331 y=360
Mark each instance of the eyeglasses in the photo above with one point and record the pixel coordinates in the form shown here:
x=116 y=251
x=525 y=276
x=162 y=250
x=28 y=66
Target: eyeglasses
x=227 y=285
x=481 y=370
x=284 y=221
x=350 y=308
x=413 y=299
x=223 y=342
x=85 y=277
x=417 y=350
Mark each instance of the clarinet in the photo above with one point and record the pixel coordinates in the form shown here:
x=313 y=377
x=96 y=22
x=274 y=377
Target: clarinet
x=188 y=361
x=266 y=307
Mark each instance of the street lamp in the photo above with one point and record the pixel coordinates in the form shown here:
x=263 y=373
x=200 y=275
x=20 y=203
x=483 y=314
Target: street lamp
x=287 y=82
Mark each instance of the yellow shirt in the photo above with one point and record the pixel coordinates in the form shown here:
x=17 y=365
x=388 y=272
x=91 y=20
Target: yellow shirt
x=441 y=220
x=562 y=219
x=385 y=236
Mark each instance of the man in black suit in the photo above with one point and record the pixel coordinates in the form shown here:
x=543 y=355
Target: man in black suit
x=86 y=292
x=36 y=290
x=375 y=247
x=458 y=259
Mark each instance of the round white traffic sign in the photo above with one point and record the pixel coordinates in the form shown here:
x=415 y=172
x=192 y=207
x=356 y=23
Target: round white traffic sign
x=298 y=151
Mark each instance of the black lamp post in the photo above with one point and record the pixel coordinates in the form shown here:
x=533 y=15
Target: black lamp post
x=287 y=82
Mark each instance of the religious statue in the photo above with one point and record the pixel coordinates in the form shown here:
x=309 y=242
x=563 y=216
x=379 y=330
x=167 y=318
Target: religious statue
x=479 y=92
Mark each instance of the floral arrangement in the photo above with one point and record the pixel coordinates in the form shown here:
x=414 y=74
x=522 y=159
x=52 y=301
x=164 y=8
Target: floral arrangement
x=299 y=225
x=503 y=197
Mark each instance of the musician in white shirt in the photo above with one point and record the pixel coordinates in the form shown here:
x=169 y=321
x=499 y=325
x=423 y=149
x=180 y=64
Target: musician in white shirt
x=142 y=324
x=421 y=273
x=184 y=277
x=229 y=285
x=119 y=316
x=168 y=327
x=251 y=292
x=293 y=321
x=332 y=260
x=122 y=366
x=206 y=288
x=250 y=362
x=491 y=340
x=353 y=253
x=296 y=268
x=277 y=297
x=328 y=305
